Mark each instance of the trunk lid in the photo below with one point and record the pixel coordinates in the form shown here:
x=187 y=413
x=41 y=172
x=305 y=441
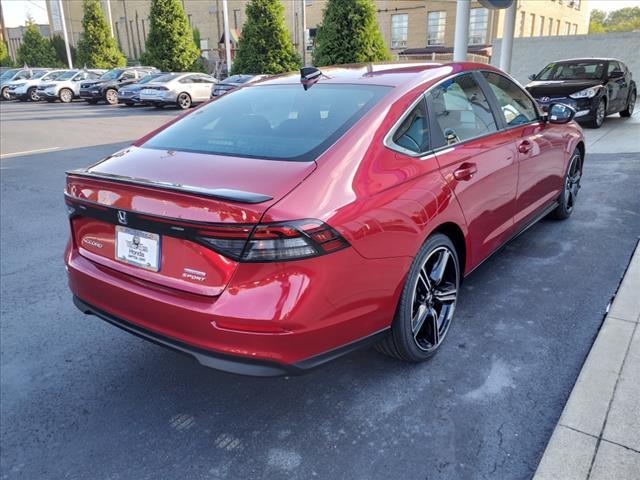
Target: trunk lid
x=163 y=200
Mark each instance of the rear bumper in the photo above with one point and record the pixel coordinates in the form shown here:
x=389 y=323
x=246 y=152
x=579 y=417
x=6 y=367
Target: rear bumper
x=271 y=320
x=228 y=363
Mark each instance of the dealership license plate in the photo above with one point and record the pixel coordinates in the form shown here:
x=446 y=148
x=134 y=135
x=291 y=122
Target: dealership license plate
x=138 y=248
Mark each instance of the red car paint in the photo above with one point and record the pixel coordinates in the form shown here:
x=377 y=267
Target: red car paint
x=382 y=202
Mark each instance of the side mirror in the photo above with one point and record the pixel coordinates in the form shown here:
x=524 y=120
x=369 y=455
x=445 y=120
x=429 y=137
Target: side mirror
x=616 y=74
x=532 y=76
x=560 y=113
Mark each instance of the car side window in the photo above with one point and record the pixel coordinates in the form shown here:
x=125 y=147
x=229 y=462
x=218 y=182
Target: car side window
x=516 y=106
x=612 y=67
x=189 y=79
x=129 y=75
x=461 y=110
x=413 y=133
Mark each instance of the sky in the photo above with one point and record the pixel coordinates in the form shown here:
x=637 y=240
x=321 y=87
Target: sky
x=16 y=11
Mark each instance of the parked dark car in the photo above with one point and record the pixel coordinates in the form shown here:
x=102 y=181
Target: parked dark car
x=594 y=87
x=130 y=94
x=234 y=81
x=106 y=87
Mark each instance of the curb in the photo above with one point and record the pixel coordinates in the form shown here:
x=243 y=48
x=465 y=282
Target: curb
x=598 y=434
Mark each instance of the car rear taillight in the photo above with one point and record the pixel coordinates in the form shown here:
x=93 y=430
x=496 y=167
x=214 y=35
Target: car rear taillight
x=274 y=242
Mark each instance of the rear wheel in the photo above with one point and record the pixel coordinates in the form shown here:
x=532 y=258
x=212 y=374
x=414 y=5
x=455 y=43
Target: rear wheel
x=600 y=113
x=627 y=112
x=66 y=95
x=571 y=187
x=5 y=93
x=111 y=96
x=33 y=95
x=184 y=101
x=427 y=303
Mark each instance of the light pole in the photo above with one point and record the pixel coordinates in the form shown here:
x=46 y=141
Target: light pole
x=227 y=40
x=109 y=18
x=304 y=33
x=66 y=37
x=506 y=49
x=461 y=40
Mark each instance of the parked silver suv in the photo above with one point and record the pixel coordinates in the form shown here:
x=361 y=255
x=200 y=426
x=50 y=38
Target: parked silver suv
x=67 y=86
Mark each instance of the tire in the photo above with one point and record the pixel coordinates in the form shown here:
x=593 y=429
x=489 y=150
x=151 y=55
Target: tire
x=66 y=95
x=4 y=94
x=426 y=289
x=33 y=95
x=183 y=101
x=111 y=96
x=631 y=103
x=570 y=188
x=599 y=115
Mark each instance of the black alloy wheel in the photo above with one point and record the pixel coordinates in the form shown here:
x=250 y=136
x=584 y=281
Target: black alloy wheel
x=571 y=187
x=427 y=303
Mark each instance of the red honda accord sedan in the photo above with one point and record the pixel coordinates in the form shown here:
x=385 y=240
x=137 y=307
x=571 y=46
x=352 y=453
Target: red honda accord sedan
x=295 y=219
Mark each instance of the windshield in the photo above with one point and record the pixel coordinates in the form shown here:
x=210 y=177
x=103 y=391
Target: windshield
x=111 y=74
x=8 y=74
x=53 y=75
x=277 y=122
x=586 y=70
x=67 y=75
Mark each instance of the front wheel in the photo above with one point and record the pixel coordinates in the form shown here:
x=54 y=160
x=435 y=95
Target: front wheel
x=570 y=188
x=66 y=95
x=427 y=303
x=111 y=96
x=33 y=95
x=184 y=101
x=627 y=112
x=600 y=113
x=5 y=93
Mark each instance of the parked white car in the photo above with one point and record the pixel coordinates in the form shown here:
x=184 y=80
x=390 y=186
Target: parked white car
x=27 y=89
x=180 y=89
x=10 y=76
x=67 y=86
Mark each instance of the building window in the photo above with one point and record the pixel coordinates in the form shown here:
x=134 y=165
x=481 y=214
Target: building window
x=542 y=26
x=478 y=22
x=522 y=18
x=435 y=28
x=550 y=26
x=557 y=27
x=575 y=28
x=576 y=4
x=533 y=25
x=399 y=29
x=567 y=28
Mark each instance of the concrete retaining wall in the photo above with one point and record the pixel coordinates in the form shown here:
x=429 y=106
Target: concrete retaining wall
x=531 y=54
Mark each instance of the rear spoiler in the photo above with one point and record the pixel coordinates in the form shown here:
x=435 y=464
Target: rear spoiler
x=239 y=196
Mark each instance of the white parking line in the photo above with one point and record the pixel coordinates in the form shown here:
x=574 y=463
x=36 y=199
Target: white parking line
x=26 y=152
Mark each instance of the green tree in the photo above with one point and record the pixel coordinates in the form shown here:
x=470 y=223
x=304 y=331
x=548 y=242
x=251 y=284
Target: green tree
x=5 y=59
x=622 y=20
x=97 y=48
x=349 y=33
x=57 y=42
x=265 y=46
x=170 y=44
x=35 y=50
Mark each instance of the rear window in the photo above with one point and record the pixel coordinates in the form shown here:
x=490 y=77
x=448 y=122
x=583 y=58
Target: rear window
x=276 y=122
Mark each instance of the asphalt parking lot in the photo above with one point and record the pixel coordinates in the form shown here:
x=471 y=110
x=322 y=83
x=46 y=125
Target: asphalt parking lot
x=80 y=399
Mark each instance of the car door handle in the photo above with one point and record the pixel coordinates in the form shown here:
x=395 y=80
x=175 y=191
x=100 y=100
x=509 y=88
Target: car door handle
x=465 y=171
x=525 y=146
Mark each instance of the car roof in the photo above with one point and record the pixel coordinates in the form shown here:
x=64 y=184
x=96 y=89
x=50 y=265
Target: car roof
x=388 y=74
x=588 y=59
